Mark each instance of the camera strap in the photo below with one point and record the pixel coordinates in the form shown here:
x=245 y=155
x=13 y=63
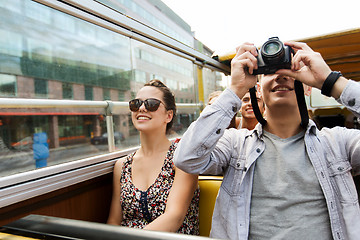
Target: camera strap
x=299 y=92
x=255 y=106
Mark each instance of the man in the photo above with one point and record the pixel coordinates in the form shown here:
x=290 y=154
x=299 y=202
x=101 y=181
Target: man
x=281 y=181
x=248 y=119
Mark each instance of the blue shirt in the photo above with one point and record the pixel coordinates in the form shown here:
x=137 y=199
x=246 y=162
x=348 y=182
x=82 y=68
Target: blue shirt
x=208 y=148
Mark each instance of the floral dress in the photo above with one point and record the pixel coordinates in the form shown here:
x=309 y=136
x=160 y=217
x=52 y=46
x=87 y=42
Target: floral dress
x=142 y=207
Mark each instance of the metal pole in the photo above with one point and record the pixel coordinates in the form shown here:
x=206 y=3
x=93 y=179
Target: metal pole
x=109 y=126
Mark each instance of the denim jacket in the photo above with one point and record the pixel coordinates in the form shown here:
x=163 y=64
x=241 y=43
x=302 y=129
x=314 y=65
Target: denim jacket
x=208 y=148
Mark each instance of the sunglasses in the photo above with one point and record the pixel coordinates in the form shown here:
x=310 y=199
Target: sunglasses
x=151 y=104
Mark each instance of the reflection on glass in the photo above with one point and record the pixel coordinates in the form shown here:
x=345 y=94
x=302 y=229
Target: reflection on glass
x=137 y=11
x=41 y=88
x=7 y=85
x=126 y=136
x=47 y=54
x=89 y=93
x=176 y=72
x=210 y=79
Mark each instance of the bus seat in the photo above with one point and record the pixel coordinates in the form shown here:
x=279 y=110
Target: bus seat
x=209 y=187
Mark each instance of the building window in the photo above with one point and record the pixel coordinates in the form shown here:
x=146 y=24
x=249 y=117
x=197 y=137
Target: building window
x=106 y=94
x=121 y=96
x=140 y=76
x=7 y=85
x=67 y=91
x=41 y=88
x=71 y=126
x=155 y=76
x=183 y=87
x=172 y=84
x=89 y=93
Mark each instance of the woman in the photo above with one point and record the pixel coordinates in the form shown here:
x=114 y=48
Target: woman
x=149 y=191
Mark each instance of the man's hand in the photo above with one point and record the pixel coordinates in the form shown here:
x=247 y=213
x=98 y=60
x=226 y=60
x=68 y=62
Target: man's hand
x=307 y=66
x=310 y=68
x=242 y=66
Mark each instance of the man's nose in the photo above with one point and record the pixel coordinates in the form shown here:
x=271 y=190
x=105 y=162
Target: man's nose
x=282 y=78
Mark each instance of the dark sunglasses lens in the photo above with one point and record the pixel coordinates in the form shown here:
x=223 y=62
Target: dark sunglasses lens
x=134 y=105
x=152 y=104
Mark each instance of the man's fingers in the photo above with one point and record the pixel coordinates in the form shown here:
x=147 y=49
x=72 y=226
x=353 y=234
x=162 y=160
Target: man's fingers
x=246 y=47
x=298 y=45
x=245 y=63
x=287 y=72
x=245 y=56
x=300 y=59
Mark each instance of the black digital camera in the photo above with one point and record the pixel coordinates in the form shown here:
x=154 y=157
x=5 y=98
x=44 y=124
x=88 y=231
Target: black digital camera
x=273 y=55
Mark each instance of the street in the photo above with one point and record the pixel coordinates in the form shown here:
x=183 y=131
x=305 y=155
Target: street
x=16 y=161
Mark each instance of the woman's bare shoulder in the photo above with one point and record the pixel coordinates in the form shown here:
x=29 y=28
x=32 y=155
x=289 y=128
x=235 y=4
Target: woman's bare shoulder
x=120 y=162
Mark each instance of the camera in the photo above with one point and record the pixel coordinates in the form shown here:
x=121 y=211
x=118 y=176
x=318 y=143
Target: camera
x=273 y=55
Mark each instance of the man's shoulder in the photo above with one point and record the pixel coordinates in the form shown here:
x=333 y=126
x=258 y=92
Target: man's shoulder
x=338 y=134
x=332 y=131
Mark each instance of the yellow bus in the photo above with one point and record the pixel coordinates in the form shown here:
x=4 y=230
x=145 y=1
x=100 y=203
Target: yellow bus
x=67 y=70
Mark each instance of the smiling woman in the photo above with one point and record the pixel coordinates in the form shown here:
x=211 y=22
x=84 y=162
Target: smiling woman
x=149 y=191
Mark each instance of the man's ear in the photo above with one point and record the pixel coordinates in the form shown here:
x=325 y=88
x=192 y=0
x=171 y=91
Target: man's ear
x=307 y=90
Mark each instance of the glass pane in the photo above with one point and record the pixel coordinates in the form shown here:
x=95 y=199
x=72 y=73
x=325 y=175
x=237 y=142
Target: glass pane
x=67 y=91
x=7 y=85
x=106 y=94
x=140 y=12
x=41 y=88
x=210 y=79
x=150 y=63
x=89 y=93
x=48 y=54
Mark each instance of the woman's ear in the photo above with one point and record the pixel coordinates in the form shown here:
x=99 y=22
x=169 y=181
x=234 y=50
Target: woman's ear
x=170 y=115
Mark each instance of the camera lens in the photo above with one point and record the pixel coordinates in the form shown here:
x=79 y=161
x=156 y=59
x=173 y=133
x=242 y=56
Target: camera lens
x=272 y=48
x=273 y=51
x=273 y=55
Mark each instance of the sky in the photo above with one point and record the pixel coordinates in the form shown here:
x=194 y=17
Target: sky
x=222 y=25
